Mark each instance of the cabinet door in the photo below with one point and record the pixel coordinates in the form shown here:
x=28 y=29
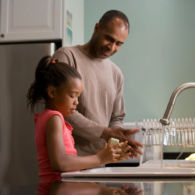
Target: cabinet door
x=30 y=20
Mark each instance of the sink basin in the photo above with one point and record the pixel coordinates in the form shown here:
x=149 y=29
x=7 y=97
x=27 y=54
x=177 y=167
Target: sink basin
x=170 y=164
x=148 y=169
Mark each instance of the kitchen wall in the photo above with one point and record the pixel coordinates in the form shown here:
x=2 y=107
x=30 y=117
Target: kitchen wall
x=158 y=55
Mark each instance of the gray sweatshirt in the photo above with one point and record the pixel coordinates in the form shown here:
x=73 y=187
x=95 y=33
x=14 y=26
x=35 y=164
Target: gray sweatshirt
x=101 y=103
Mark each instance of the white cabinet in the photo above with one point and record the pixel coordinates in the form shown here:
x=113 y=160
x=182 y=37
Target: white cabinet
x=29 y=20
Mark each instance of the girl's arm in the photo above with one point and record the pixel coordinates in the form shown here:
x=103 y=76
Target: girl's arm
x=64 y=162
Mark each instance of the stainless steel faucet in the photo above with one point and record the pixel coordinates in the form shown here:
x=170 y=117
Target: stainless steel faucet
x=176 y=92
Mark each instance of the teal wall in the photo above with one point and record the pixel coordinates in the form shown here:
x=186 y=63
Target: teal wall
x=158 y=55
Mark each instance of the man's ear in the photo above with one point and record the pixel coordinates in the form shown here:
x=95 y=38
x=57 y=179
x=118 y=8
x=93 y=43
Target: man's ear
x=51 y=91
x=96 y=27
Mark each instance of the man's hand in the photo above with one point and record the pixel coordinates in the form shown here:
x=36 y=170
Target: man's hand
x=124 y=135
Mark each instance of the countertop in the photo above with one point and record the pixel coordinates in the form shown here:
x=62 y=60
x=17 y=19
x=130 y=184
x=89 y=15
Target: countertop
x=88 y=186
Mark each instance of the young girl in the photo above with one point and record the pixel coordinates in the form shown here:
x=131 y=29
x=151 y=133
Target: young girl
x=59 y=86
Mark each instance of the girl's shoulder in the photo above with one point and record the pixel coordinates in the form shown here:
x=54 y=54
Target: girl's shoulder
x=46 y=114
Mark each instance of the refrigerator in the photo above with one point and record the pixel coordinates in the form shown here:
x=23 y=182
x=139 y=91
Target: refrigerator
x=18 y=162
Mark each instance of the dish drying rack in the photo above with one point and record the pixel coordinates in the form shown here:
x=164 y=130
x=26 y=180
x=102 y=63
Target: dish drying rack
x=180 y=132
x=170 y=132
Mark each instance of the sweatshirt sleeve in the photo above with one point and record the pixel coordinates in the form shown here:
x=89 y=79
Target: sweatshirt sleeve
x=118 y=112
x=85 y=127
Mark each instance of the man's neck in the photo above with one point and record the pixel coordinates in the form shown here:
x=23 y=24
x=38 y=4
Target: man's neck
x=86 y=49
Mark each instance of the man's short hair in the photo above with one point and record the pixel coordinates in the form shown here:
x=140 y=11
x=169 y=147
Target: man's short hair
x=111 y=14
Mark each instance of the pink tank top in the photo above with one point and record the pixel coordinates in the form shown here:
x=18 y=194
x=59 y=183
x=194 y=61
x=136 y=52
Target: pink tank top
x=46 y=173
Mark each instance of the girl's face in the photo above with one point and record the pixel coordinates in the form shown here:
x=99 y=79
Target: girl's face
x=65 y=97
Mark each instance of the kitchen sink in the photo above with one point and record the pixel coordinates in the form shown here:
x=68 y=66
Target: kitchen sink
x=169 y=168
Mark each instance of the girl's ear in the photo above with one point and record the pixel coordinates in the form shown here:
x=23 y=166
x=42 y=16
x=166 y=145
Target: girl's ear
x=51 y=91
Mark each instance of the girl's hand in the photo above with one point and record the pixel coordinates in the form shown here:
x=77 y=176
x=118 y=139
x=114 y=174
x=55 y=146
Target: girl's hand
x=114 y=152
x=109 y=154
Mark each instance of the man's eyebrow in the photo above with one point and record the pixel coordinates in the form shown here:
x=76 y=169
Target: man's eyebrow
x=74 y=91
x=112 y=39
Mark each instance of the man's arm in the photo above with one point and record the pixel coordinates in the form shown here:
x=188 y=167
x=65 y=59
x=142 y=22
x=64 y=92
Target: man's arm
x=118 y=111
x=85 y=127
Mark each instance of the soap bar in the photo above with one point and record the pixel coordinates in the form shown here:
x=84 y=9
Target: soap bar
x=113 y=141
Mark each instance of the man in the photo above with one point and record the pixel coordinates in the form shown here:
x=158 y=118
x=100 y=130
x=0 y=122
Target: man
x=101 y=105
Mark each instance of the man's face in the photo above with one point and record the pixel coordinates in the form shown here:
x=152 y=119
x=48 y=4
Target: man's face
x=107 y=40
